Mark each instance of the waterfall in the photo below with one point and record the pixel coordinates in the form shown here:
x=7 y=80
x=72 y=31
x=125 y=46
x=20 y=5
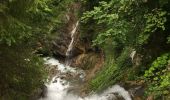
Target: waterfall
x=58 y=88
x=70 y=47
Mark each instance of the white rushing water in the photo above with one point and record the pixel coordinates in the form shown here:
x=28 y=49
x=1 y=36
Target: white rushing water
x=70 y=47
x=58 y=88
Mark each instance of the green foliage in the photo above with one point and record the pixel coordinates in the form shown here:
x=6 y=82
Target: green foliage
x=23 y=24
x=31 y=19
x=114 y=22
x=9 y=35
x=103 y=16
x=116 y=26
x=112 y=72
x=21 y=72
x=154 y=21
x=158 y=76
x=127 y=21
x=103 y=78
x=25 y=27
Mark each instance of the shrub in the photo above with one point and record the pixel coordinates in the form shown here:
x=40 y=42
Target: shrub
x=158 y=76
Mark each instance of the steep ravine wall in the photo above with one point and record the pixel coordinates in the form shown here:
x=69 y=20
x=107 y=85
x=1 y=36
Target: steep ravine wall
x=83 y=54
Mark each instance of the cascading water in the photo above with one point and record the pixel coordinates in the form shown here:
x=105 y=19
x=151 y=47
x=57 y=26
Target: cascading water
x=58 y=88
x=70 y=47
x=64 y=80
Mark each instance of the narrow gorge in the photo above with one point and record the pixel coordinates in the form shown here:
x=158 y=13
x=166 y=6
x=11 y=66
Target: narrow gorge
x=67 y=82
x=84 y=49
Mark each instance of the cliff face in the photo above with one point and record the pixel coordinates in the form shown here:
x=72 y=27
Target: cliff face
x=83 y=55
x=63 y=38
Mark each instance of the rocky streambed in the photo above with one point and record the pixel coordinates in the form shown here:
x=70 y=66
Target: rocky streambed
x=66 y=83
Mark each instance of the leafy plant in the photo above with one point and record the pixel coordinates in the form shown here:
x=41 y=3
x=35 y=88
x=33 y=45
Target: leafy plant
x=21 y=72
x=158 y=76
x=118 y=25
x=154 y=21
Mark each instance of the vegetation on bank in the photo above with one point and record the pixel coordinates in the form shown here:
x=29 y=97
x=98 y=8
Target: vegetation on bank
x=22 y=72
x=122 y=27
x=116 y=27
x=25 y=27
x=158 y=76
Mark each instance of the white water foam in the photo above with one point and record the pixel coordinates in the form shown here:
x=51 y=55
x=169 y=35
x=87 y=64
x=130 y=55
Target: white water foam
x=61 y=67
x=58 y=88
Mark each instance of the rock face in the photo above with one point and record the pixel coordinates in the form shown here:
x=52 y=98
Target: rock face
x=82 y=53
x=63 y=39
x=37 y=94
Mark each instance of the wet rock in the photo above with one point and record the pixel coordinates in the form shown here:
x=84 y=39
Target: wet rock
x=86 y=61
x=118 y=97
x=61 y=43
x=137 y=92
x=40 y=92
x=55 y=81
x=52 y=71
x=135 y=88
x=44 y=91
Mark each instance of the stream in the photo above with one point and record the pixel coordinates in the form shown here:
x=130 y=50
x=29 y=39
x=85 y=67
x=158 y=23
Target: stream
x=59 y=87
x=66 y=83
